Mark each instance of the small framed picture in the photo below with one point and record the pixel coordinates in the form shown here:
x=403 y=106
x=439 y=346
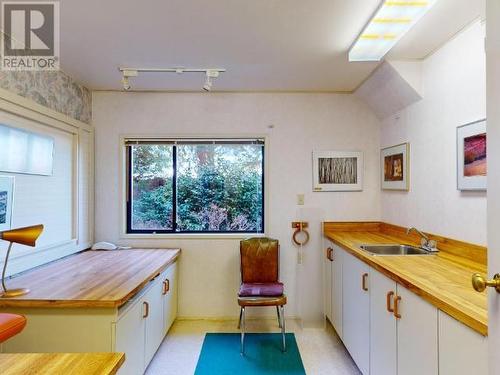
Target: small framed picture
x=395 y=167
x=471 y=156
x=6 y=201
x=337 y=171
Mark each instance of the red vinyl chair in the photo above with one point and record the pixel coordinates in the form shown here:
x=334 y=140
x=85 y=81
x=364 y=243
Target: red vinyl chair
x=10 y=325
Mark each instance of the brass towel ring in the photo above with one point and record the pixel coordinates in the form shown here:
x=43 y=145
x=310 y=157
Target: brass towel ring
x=300 y=228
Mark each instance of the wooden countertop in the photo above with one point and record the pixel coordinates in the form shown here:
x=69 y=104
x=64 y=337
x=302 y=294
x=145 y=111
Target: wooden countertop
x=90 y=278
x=61 y=363
x=443 y=280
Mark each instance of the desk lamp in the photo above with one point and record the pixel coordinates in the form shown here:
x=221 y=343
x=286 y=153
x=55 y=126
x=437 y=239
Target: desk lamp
x=25 y=236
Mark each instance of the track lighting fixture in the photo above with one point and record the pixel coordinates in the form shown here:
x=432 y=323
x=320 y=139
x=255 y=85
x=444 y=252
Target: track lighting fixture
x=210 y=74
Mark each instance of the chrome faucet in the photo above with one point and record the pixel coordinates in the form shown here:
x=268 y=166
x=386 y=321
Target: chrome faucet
x=425 y=241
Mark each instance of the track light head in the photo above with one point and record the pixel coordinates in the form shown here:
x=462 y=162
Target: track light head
x=126 y=83
x=210 y=74
x=127 y=73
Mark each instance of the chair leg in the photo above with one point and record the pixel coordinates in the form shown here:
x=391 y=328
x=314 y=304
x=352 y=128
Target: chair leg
x=243 y=331
x=283 y=327
x=239 y=321
x=279 y=317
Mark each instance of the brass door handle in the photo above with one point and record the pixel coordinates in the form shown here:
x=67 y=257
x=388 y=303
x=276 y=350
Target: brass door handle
x=388 y=301
x=166 y=286
x=479 y=283
x=363 y=282
x=146 y=309
x=397 y=315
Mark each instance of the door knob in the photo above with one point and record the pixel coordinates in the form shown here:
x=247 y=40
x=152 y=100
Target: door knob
x=479 y=283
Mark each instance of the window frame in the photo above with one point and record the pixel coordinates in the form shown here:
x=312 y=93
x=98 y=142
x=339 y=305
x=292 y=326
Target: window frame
x=129 y=232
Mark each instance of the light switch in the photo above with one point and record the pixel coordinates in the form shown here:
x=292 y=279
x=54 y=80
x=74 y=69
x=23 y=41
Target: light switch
x=300 y=199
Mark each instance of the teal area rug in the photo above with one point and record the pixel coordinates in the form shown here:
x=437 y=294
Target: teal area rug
x=220 y=355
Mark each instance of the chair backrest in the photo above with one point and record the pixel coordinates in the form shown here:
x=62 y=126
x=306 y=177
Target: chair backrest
x=259 y=260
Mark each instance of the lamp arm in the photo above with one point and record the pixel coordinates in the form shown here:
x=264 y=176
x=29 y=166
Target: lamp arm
x=5 y=267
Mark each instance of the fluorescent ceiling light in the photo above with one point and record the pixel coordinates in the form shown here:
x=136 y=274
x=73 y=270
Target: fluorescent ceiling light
x=390 y=22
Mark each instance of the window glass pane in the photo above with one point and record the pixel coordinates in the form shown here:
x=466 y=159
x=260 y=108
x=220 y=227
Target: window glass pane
x=151 y=187
x=219 y=187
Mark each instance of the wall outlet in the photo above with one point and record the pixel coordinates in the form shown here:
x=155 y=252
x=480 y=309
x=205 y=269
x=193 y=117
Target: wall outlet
x=300 y=199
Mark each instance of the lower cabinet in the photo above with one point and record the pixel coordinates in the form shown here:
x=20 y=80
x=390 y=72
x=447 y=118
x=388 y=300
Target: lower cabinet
x=336 y=257
x=356 y=310
x=462 y=351
x=143 y=322
x=383 y=331
x=389 y=330
x=327 y=280
x=403 y=330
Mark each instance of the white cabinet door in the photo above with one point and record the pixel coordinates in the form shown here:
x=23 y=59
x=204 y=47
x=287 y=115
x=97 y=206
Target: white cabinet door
x=417 y=335
x=462 y=351
x=336 y=289
x=356 y=310
x=130 y=339
x=327 y=282
x=383 y=335
x=154 y=319
x=170 y=296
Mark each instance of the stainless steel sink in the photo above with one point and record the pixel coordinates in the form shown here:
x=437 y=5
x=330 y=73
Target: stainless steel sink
x=394 y=249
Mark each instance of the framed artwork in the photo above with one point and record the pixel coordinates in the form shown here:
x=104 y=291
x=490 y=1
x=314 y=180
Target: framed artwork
x=471 y=156
x=395 y=167
x=6 y=201
x=337 y=171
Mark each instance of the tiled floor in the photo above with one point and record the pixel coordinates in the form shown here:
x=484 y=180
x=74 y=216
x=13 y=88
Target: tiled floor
x=321 y=350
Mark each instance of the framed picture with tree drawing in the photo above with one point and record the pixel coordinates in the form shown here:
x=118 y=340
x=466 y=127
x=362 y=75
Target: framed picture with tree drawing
x=395 y=167
x=337 y=171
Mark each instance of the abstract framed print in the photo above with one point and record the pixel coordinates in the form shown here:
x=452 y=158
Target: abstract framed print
x=472 y=156
x=395 y=167
x=337 y=171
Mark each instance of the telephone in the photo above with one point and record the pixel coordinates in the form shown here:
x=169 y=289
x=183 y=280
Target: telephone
x=108 y=246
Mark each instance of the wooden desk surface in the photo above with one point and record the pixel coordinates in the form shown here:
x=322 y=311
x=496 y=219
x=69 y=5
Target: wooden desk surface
x=61 y=363
x=90 y=278
x=444 y=280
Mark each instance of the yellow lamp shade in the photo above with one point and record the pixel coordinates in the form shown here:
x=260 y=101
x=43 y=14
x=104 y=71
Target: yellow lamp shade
x=25 y=236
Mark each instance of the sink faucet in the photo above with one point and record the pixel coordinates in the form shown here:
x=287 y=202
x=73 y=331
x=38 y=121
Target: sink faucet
x=425 y=241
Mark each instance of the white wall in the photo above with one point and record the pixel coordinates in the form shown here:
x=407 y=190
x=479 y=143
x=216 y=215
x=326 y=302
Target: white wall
x=209 y=273
x=454 y=80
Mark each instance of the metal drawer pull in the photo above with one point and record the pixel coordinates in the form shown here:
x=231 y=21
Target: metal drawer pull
x=389 y=299
x=166 y=286
x=396 y=307
x=363 y=283
x=146 y=309
x=329 y=254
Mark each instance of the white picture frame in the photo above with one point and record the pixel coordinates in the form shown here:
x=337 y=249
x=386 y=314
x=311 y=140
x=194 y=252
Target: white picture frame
x=6 y=202
x=337 y=171
x=395 y=167
x=472 y=156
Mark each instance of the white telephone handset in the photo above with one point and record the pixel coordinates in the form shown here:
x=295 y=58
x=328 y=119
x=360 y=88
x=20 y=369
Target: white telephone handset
x=107 y=246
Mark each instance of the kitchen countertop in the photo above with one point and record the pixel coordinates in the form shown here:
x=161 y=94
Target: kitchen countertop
x=444 y=279
x=61 y=363
x=90 y=278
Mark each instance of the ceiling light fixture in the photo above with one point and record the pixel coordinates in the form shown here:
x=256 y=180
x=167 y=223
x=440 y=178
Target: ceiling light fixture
x=392 y=20
x=210 y=74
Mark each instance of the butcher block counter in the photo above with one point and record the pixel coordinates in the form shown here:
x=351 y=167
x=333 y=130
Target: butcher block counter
x=61 y=363
x=444 y=279
x=90 y=279
x=98 y=301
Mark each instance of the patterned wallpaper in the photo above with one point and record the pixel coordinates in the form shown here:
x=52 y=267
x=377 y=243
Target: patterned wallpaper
x=52 y=89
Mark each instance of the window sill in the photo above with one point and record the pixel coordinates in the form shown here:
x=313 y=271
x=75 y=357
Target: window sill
x=190 y=236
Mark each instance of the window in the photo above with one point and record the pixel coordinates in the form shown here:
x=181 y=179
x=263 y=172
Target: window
x=195 y=186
